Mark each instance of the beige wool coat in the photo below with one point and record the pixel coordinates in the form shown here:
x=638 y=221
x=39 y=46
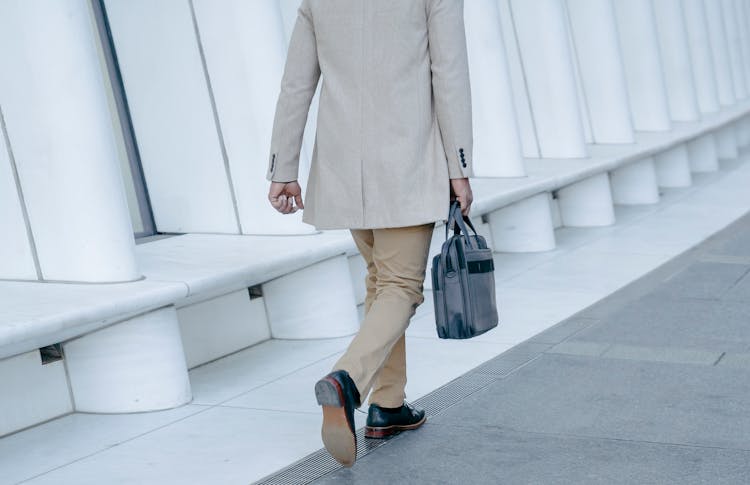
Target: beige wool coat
x=394 y=120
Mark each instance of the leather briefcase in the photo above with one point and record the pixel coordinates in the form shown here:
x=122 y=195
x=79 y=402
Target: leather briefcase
x=463 y=281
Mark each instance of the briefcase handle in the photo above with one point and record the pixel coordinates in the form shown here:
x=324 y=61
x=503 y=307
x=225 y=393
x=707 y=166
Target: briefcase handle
x=458 y=221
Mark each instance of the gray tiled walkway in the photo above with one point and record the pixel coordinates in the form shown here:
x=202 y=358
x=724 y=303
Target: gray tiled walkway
x=650 y=385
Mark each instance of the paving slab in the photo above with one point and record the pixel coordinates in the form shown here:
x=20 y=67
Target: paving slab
x=449 y=455
x=740 y=291
x=735 y=360
x=734 y=243
x=210 y=448
x=662 y=354
x=660 y=320
x=592 y=349
x=565 y=329
x=619 y=399
x=649 y=385
x=704 y=280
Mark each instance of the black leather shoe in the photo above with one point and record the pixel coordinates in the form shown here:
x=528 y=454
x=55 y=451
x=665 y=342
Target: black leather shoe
x=339 y=396
x=382 y=423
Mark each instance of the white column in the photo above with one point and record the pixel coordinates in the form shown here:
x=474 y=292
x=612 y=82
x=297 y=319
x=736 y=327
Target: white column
x=132 y=366
x=497 y=146
x=543 y=39
x=727 y=146
x=643 y=68
x=703 y=154
x=676 y=62
x=60 y=128
x=521 y=102
x=635 y=183
x=744 y=16
x=587 y=203
x=740 y=130
x=673 y=167
x=744 y=35
x=732 y=30
x=597 y=51
x=745 y=124
x=523 y=226
x=707 y=92
x=720 y=51
x=231 y=33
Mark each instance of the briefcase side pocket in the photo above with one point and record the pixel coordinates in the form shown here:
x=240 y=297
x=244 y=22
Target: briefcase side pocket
x=438 y=295
x=481 y=282
x=483 y=302
x=456 y=311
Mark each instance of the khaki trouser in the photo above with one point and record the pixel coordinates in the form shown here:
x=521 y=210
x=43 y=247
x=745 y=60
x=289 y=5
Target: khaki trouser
x=396 y=266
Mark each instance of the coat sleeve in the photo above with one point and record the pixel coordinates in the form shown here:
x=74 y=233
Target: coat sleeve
x=298 y=85
x=450 y=83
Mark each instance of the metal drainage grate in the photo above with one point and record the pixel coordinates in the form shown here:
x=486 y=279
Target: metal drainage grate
x=320 y=463
x=453 y=392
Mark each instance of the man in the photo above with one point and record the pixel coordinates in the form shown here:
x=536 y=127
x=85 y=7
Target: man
x=393 y=148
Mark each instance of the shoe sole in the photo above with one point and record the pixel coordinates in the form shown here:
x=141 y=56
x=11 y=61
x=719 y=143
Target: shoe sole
x=380 y=433
x=337 y=436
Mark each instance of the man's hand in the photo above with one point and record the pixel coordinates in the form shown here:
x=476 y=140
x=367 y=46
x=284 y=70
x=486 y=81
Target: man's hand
x=461 y=190
x=282 y=195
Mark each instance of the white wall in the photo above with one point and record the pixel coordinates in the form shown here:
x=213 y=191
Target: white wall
x=526 y=130
x=174 y=123
x=245 y=82
x=647 y=93
x=16 y=259
x=543 y=39
x=597 y=54
x=720 y=50
x=497 y=146
x=732 y=30
x=676 y=61
x=702 y=60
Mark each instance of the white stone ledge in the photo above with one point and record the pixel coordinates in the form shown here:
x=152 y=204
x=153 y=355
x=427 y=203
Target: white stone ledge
x=179 y=270
x=212 y=265
x=549 y=174
x=37 y=314
x=194 y=267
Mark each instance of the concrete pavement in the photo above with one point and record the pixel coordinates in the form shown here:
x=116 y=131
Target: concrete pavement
x=649 y=385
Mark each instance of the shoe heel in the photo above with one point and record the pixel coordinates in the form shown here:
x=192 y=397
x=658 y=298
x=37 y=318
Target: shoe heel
x=327 y=393
x=378 y=433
